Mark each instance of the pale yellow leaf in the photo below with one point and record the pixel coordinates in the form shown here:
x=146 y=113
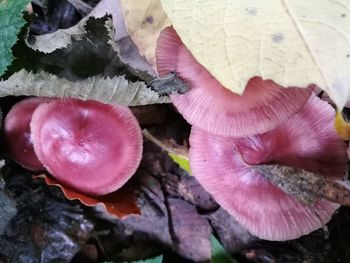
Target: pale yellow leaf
x=293 y=42
x=144 y=20
x=342 y=126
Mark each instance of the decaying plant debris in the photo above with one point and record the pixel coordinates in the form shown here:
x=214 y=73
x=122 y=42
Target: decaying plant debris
x=72 y=48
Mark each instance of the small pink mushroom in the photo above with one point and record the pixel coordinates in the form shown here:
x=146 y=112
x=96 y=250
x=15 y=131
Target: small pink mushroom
x=211 y=107
x=224 y=166
x=18 y=136
x=92 y=147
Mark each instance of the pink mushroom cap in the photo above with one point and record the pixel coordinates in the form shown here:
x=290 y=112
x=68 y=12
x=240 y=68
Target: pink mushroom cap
x=208 y=105
x=89 y=146
x=18 y=136
x=224 y=166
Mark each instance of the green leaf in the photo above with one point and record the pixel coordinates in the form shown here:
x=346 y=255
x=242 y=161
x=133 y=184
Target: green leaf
x=181 y=160
x=158 y=259
x=219 y=254
x=11 y=21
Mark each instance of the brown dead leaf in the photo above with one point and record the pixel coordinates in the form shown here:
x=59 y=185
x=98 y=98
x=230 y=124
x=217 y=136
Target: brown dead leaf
x=120 y=203
x=306 y=186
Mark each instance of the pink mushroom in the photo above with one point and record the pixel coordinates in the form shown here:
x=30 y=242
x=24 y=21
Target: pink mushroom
x=18 y=136
x=224 y=166
x=88 y=146
x=211 y=107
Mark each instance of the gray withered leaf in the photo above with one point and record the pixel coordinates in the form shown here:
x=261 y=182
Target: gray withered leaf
x=61 y=38
x=169 y=84
x=112 y=35
x=96 y=46
x=93 y=53
x=116 y=90
x=90 y=55
x=306 y=186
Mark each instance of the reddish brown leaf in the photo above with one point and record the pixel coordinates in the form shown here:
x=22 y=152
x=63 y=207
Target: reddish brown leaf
x=120 y=203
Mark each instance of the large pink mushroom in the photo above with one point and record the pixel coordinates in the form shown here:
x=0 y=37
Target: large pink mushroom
x=88 y=146
x=18 y=136
x=263 y=106
x=225 y=167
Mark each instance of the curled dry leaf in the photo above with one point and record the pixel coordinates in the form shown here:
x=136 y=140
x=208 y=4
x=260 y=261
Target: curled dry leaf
x=306 y=186
x=120 y=203
x=144 y=20
x=293 y=43
x=169 y=84
x=117 y=90
x=93 y=53
x=48 y=43
x=61 y=38
x=119 y=39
